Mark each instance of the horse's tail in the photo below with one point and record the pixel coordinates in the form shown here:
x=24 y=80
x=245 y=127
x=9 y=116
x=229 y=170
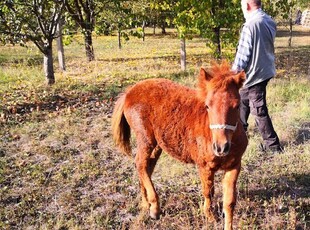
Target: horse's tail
x=120 y=127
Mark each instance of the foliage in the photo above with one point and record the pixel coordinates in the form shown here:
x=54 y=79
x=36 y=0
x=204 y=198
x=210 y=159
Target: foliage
x=281 y=8
x=185 y=19
x=163 y=13
x=118 y=16
x=217 y=21
x=220 y=24
x=84 y=13
x=35 y=21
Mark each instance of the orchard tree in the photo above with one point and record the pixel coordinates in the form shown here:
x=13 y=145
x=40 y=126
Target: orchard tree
x=282 y=10
x=84 y=13
x=118 y=15
x=141 y=12
x=219 y=22
x=32 y=20
x=162 y=13
x=184 y=22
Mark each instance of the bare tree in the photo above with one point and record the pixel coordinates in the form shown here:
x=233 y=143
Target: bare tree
x=83 y=13
x=60 y=47
x=36 y=21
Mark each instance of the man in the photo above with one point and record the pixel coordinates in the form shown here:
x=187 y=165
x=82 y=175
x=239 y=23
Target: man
x=298 y=17
x=255 y=55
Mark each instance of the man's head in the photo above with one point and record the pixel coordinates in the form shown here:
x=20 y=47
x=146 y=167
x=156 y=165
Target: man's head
x=250 y=5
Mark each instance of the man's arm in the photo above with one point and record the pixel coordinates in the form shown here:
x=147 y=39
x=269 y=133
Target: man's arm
x=244 y=50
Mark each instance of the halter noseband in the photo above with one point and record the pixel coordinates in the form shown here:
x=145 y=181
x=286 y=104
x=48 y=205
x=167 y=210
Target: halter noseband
x=230 y=127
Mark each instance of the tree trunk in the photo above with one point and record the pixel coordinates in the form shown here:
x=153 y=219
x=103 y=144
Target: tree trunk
x=60 y=48
x=183 y=54
x=154 y=28
x=163 y=28
x=218 y=42
x=48 y=64
x=119 y=39
x=291 y=30
x=143 y=30
x=89 y=45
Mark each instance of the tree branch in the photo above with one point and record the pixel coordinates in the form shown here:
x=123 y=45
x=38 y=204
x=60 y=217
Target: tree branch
x=39 y=17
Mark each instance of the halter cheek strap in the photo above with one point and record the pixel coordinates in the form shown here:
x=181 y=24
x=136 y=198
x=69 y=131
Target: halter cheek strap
x=229 y=127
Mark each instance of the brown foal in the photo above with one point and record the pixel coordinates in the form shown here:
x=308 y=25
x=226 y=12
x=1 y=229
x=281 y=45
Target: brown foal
x=195 y=126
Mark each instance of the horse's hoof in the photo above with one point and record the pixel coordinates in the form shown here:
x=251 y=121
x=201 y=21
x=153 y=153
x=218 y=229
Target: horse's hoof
x=154 y=215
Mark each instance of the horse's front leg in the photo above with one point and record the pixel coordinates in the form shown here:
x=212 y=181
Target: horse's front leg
x=230 y=194
x=207 y=181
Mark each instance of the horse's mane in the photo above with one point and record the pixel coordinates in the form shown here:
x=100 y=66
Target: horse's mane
x=220 y=76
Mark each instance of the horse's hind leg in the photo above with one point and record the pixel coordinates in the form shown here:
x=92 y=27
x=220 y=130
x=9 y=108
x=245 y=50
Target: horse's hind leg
x=150 y=168
x=153 y=159
x=146 y=159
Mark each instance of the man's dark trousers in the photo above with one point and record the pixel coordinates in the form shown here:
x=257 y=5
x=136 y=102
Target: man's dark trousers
x=253 y=100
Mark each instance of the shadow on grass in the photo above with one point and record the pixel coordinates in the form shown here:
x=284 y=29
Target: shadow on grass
x=100 y=97
x=36 y=60
x=303 y=134
x=288 y=193
x=282 y=195
x=175 y=57
x=294 y=61
x=294 y=186
x=286 y=33
x=79 y=95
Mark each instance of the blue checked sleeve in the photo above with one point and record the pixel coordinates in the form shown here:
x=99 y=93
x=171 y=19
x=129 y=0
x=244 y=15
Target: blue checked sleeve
x=244 y=50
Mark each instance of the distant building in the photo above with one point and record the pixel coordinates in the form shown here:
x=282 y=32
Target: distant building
x=305 y=18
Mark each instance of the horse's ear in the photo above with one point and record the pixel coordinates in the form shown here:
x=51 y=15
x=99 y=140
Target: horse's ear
x=203 y=78
x=240 y=78
x=205 y=75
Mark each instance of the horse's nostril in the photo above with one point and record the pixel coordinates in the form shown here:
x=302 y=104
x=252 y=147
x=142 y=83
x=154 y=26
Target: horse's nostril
x=226 y=147
x=220 y=149
x=216 y=148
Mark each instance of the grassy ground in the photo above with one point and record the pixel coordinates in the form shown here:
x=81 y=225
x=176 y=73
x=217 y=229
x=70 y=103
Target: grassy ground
x=59 y=169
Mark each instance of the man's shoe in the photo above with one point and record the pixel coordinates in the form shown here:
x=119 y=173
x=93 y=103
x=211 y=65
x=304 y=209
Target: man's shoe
x=272 y=149
x=276 y=149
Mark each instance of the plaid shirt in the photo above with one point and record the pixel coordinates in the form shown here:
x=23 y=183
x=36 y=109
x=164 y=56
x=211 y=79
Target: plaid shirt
x=255 y=52
x=244 y=50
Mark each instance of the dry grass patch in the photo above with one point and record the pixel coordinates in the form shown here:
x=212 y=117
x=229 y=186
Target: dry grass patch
x=59 y=168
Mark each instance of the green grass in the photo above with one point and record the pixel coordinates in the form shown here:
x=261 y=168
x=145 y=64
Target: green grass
x=59 y=168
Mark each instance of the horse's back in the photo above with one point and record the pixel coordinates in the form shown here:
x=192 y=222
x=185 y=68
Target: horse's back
x=157 y=96
x=164 y=112
x=154 y=90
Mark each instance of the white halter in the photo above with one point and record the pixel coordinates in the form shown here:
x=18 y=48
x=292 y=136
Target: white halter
x=230 y=127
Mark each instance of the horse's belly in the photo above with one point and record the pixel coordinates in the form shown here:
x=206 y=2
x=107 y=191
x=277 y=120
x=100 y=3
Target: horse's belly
x=177 y=152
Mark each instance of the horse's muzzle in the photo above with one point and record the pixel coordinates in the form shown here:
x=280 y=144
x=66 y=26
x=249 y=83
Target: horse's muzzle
x=221 y=150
